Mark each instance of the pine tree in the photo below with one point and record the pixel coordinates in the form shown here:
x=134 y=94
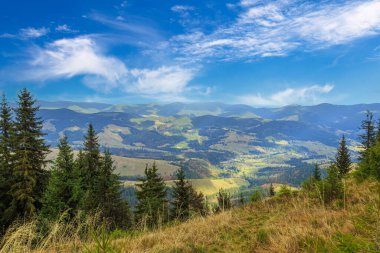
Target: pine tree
x=63 y=191
x=107 y=190
x=333 y=186
x=30 y=150
x=368 y=137
x=6 y=158
x=198 y=204
x=90 y=163
x=151 y=195
x=181 y=197
x=271 y=190
x=343 y=159
x=317 y=173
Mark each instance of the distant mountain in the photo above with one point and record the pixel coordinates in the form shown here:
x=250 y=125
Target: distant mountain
x=238 y=140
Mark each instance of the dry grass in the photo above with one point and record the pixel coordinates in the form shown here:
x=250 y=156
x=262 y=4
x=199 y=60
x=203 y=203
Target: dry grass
x=298 y=224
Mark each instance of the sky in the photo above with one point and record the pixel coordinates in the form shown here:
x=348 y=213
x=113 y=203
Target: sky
x=260 y=53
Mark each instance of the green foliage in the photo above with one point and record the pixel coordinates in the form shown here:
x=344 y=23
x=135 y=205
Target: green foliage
x=343 y=159
x=103 y=242
x=181 y=197
x=151 y=209
x=224 y=201
x=368 y=137
x=6 y=159
x=256 y=196
x=63 y=192
x=107 y=190
x=317 y=173
x=284 y=191
x=30 y=151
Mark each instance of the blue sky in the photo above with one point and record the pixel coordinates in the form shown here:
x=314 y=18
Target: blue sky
x=261 y=53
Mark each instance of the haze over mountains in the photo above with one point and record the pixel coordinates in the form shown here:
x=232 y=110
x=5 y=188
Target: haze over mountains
x=214 y=139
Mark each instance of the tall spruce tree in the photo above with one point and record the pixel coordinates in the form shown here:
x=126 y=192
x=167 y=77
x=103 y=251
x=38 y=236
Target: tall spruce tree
x=343 y=158
x=368 y=137
x=90 y=166
x=6 y=161
x=107 y=190
x=151 y=195
x=317 y=173
x=181 y=197
x=63 y=191
x=197 y=203
x=30 y=150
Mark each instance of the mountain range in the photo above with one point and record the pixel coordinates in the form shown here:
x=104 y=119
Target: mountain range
x=214 y=139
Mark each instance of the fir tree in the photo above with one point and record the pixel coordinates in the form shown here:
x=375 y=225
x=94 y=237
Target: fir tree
x=271 y=190
x=90 y=163
x=181 y=197
x=30 y=152
x=107 y=190
x=6 y=161
x=151 y=195
x=333 y=186
x=343 y=159
x=317 y=173
x=63 y=191
x=368 y=137
x=197 y=203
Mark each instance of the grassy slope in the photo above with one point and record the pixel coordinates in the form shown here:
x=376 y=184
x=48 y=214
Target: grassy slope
x=298 y=224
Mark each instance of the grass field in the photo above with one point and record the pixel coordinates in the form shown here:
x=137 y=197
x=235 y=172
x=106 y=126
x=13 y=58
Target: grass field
x=278 y=224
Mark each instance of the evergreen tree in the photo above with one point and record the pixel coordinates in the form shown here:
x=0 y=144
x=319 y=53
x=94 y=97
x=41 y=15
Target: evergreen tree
x=317 y=173
x=90 y=163
x=63 y=191
x=333 y=186
x=368 y=137
x=181 y=197
x=343 y=159
x=108 y=194
x=151 y=195
x=30 y=150
x=6 y=161
x=271 y=190
x=197 y=203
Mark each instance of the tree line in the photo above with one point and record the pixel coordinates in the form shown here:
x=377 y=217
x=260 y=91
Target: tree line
x=333 y=185
x=84 y=183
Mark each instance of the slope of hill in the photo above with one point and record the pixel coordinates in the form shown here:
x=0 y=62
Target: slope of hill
x=277 y=224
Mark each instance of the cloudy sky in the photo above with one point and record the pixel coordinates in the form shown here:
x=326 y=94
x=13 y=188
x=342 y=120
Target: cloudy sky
x=261 y=53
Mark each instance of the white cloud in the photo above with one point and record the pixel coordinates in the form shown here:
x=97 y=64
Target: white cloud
x=66 y=58
x=304 y=95
x=64 y=28
x=182 y=8
x=172 y=80
x=81 y=56
x=31 y=32
x=276 y=28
